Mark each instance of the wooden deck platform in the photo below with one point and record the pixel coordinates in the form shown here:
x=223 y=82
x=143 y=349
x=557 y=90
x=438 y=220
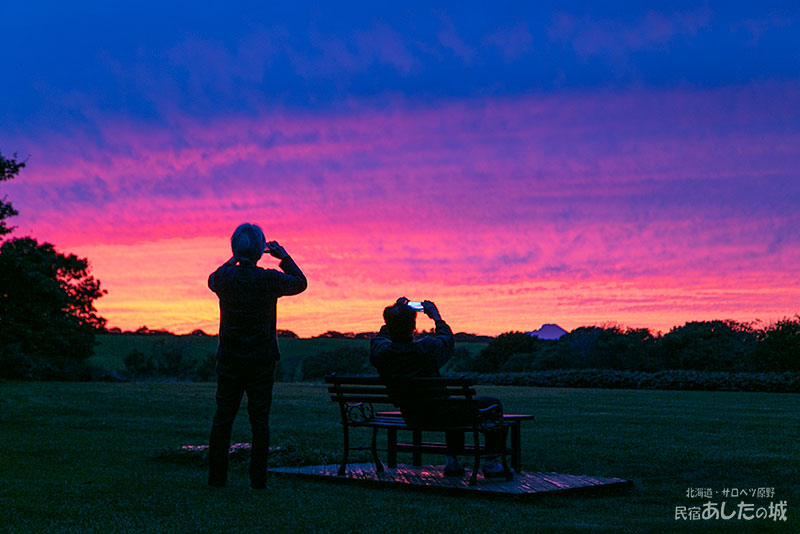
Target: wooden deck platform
x=431 y=478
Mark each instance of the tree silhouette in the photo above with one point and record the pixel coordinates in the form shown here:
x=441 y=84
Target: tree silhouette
x=47 y=302
x=9 y=168
x=47 y=314
x=779 y=346
x=709 y=345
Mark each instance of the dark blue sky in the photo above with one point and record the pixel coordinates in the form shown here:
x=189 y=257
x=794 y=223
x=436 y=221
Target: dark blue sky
x=65 y=61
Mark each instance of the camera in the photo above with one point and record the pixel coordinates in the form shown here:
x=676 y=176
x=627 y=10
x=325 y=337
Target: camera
x=416 y=306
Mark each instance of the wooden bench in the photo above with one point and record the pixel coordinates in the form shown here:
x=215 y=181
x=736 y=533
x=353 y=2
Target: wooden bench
x=357 y=396
x=512 y=420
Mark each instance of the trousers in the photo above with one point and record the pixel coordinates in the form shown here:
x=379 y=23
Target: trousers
x=236 y=377
x=459 y=413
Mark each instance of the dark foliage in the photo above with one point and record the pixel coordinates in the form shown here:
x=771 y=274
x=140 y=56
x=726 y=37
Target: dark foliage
x=16 y=365
x=333 y=334
x=172 y=360
x=462 y=361
x=365 y=335
x=698 y=346
x=710 y=345
x=287 y=334
x=465 y=337
x=788 y=382
x=47 y=303
x=779 y=346
x=47 y=315
x=143 y=330
x=603 y=347
x=503 y=347
x=9 y=168
x=206 y=368
x=169 y=360
x=140 y=365
x=343 y=360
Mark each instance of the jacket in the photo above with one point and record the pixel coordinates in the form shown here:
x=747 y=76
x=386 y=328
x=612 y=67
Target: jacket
x=248 y=297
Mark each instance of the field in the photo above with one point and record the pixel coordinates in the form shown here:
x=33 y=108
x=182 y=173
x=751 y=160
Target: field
x=111 y=349
x=79 y=457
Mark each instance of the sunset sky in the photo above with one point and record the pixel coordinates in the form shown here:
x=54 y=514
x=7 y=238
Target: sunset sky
x=576 y=163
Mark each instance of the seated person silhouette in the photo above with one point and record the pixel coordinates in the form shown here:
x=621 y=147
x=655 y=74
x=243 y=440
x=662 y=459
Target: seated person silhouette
x=395 y=354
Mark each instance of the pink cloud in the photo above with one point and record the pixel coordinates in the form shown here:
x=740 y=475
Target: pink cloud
x=637 y=207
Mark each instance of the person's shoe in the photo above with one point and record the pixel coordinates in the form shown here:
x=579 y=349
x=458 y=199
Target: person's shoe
x=258 y=483
x=452 y=468
x=494 y=469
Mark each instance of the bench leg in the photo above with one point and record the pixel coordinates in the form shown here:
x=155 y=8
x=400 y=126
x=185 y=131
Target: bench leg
x=392 y=446
x=474 y=478
x=516 y=453
x=416 y=457
x=509 y=475
x=343 y=467
x=378 y=464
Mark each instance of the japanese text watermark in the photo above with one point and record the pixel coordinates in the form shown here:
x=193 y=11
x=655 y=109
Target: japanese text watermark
x=732 y=504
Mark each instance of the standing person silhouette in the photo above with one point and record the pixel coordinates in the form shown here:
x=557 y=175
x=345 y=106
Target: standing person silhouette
x=248 y=345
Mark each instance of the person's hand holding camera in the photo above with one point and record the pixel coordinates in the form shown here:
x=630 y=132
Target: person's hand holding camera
x=276 y=250
x=431 y=310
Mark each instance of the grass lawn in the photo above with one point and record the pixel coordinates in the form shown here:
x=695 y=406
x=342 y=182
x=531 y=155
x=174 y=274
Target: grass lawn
x=78 y=457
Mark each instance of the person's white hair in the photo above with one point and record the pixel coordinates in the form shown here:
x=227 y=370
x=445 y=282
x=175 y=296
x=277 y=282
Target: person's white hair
x=248 y=242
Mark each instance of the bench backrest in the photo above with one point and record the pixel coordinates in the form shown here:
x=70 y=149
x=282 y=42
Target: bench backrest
x=378 y=390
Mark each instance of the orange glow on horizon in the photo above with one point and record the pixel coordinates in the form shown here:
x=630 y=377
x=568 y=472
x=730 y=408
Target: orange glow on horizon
x=181 y=302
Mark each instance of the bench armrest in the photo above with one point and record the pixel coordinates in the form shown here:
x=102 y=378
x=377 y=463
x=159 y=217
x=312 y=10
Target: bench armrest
x=490 y=417
x=359 y=412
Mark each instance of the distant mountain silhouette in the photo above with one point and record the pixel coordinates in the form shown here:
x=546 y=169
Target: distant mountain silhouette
x=548 y=331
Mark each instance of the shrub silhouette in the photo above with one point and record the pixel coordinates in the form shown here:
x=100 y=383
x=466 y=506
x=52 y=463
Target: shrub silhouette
x=343 y=360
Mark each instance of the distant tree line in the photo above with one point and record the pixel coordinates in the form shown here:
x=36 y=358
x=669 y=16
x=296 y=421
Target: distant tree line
x=333 y=334
x=630 y=355
x=699 y=346
x=169 y=359
x=461 y=337
x=145 y=331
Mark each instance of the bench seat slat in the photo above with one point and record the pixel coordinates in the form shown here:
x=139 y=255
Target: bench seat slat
x=455 y=388
x=376 y=399
x=428 y=446
x=510 y=417
x=399 y=424
x=378 y=381
x=334 y=379
x=375 y=390
x=384 y=398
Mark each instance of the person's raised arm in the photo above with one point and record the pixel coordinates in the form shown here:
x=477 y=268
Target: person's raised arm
x=231 y=262
x=443 y=333
x=292 y=281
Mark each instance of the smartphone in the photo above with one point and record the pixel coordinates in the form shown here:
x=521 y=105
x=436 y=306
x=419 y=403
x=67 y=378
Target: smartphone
x=417 y=306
